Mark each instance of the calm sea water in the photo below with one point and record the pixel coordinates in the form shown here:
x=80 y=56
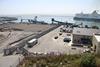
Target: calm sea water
x=59 y=18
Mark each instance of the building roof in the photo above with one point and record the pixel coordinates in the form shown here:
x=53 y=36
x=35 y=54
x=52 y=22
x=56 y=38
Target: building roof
x=97 y=37
x=10 y=61
x=85 y=31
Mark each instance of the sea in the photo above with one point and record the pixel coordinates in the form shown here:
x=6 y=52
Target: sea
x=47 y=19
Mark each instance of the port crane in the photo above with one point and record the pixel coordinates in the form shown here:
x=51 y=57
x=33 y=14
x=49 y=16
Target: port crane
x=34 y=21
x=30 y=20
x=66 y=23
x=60 y=22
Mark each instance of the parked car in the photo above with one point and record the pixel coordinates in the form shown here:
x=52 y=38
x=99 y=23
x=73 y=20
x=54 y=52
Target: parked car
x=86 y=50
x=60 y=33
x=73 y=48
x=68 y=34
x=56 y=37
x=66 y=39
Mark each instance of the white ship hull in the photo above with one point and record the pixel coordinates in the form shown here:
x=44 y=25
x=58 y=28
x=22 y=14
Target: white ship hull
x=89 y=17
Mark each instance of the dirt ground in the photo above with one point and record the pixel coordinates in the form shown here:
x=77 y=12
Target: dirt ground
x=27 y=27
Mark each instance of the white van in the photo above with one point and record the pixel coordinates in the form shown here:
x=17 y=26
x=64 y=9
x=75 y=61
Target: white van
x=32 y=42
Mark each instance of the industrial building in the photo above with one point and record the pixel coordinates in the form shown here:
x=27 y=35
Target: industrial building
x=83 y=36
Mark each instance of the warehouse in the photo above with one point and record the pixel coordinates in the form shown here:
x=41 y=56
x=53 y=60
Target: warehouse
x=83 y=35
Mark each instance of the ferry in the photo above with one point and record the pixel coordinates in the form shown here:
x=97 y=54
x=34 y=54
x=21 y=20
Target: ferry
x=94 y=16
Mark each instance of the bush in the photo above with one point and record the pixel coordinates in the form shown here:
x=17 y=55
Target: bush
x=88 y=60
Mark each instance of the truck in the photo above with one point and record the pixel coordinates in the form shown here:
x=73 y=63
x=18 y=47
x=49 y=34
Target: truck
x=32 y=42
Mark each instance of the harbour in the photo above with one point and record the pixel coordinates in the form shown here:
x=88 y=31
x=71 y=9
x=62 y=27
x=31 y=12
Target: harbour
x=49 y=33
x=53 y=39
x=47 y=19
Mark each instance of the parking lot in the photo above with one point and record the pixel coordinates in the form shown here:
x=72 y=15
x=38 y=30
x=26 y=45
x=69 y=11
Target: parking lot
x=48 y=43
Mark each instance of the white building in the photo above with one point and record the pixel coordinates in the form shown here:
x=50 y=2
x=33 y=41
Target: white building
x=96 y=43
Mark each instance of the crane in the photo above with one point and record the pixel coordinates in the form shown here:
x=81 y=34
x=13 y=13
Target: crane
x=34 y=21
x=58 y=22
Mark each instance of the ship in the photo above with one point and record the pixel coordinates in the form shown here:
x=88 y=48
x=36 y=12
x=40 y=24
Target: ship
x=94 y=16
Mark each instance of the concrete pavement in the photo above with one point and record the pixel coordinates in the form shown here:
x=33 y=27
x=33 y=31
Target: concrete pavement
x=10 y=61
x=48 y=44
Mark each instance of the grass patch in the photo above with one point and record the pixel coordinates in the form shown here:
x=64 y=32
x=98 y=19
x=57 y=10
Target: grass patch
x=52 y=61
x=61 y=61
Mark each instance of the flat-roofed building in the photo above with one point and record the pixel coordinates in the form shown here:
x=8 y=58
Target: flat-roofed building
x=83 y=35
x=96 y=43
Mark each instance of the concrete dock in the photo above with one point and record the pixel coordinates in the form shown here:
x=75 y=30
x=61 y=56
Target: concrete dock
x=48 y=44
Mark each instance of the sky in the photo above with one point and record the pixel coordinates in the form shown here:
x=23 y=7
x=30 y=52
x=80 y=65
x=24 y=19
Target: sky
x=47 y=7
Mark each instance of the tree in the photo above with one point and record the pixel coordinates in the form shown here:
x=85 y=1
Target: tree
x=88 y=60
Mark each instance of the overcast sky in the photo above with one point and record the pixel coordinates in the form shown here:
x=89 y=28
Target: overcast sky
x=47 y=7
